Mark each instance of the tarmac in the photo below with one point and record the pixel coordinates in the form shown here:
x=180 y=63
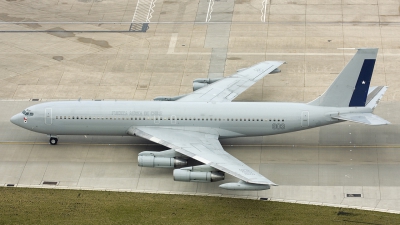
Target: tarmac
x=72 y=50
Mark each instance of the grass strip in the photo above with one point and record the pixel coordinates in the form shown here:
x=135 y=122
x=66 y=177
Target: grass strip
x=53 y=206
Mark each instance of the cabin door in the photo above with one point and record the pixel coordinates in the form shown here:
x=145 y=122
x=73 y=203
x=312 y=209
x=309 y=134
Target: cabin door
x=47 y=116
x=304 y=119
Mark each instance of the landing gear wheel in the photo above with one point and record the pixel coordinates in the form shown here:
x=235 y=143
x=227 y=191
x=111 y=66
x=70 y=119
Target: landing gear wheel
x=53 y=141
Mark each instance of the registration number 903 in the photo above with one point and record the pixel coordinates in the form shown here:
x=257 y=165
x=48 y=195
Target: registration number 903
x=278 y=126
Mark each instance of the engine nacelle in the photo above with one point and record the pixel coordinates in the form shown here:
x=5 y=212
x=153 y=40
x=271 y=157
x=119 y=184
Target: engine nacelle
x=151 y=161
x=202 y=82
x=197 y=86
x=197 y=176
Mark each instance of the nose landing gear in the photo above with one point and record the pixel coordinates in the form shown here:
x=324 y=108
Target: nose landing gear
x=53 y=141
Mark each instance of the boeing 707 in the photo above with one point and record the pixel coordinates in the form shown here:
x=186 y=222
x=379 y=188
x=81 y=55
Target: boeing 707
x=191 y=125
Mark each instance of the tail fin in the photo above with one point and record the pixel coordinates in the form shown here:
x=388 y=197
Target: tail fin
x=350 y=88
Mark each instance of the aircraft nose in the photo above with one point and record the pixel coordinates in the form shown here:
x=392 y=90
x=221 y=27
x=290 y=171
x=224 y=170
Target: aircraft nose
x=14 y=119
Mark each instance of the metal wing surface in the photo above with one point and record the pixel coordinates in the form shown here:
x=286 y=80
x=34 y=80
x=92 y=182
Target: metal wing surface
x=227 y=89
x=204 y=147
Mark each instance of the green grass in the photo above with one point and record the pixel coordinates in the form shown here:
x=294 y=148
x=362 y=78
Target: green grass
x=51 y=206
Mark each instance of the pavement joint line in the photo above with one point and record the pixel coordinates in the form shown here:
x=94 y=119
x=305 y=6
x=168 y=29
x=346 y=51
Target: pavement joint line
x=226 y=145
x=241 y=54
x=199 y=22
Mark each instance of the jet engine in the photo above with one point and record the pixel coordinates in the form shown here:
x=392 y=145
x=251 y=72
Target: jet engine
x=202 y=173
x=165 y=159
x=202 y=82
x=197 y=86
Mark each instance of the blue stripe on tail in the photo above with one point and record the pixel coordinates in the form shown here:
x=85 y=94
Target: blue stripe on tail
x=360 y=93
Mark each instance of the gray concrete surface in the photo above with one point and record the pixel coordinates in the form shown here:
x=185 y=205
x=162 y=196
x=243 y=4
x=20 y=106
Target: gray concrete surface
x=308 y=166
x=53 y=61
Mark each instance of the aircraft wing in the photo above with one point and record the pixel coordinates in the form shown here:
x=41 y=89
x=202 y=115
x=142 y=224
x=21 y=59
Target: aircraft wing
x=203 y=147
x=227 y=89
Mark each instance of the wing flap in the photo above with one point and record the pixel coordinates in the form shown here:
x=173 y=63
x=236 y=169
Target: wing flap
x=227 y=89
x=203 y=147
x=364 y=118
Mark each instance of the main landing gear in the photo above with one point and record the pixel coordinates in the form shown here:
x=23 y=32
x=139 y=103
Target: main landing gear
x=53 y=140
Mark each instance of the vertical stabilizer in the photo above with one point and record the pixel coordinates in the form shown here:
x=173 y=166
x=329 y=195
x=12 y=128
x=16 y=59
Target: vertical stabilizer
x=350 y=88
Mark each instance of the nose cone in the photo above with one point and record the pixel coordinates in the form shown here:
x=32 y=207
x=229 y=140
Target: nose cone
x=16 y=119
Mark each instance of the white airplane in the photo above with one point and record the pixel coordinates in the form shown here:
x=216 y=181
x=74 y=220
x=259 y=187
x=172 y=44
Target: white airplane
x=191 y=125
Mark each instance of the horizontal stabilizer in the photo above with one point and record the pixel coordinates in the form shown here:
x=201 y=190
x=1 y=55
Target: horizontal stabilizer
x=364 y=118
x=375 y=94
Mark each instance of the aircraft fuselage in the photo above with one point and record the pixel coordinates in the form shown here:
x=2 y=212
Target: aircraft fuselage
x=228 y=119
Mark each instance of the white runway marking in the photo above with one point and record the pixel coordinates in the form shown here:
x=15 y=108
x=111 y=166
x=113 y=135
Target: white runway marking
x=264 y=10
x=209 y=10
x=172 y=43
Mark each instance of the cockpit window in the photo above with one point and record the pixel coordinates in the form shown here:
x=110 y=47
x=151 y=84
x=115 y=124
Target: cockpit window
x=27 y=112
